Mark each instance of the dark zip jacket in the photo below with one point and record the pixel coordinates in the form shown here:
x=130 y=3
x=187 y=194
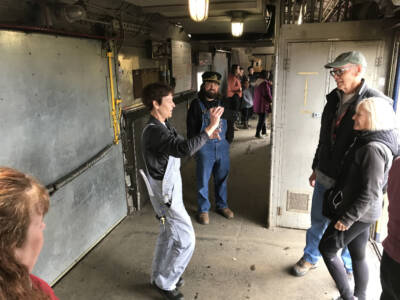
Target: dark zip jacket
x=159 y=141
x=330 y=152
x=365 y=176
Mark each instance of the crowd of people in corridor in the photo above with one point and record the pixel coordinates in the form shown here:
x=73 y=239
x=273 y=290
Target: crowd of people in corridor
x=354 y=163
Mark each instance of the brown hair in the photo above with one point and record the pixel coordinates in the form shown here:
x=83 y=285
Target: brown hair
x=19 y=195
x=155 y=92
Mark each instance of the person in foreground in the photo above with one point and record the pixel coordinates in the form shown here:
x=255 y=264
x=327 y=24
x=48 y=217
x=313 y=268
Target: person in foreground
x=363 y=177
x=162 y=149
x=390 y=263
x=23 y=204
x=336 y=135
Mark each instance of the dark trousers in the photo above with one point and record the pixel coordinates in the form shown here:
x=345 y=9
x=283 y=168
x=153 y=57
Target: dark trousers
x=246 y=114
x=235 y=102
x=355 y=238
x=390 y=278
x=261 y=127
x=235 y=106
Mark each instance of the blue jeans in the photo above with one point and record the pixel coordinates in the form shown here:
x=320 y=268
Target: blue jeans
x=319 y=223
x=213 y=158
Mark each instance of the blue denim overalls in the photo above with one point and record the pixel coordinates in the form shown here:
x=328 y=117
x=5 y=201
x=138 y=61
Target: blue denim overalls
x=176 y=241
x=213 y=158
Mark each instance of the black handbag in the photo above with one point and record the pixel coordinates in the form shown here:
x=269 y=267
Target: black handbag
x=332 y=203
x=333 y=198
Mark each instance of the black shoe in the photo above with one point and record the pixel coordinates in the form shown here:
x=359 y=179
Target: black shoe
x=169 y=295
x=180 y=283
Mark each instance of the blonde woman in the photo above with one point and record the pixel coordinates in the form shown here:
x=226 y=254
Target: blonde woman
x=23 y=203
x=363 y=178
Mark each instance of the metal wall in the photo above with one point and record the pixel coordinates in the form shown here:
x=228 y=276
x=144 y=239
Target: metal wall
x=54 y=116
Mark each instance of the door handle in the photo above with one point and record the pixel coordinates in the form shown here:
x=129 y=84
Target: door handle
x=316 y=115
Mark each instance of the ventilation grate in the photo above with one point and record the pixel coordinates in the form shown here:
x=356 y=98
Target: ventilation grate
x=298 y=202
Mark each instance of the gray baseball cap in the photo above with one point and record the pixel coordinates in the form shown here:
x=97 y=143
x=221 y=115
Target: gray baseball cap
x=352 y=57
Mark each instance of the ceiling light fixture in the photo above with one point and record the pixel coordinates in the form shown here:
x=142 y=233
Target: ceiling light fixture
x=237 y=28
x=237 y=23
x=198 y=10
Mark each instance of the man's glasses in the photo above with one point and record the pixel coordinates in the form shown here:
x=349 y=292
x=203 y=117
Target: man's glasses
x=339 y=72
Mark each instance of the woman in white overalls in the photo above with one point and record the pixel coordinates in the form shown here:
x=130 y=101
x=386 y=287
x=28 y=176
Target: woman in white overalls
x=162 y=149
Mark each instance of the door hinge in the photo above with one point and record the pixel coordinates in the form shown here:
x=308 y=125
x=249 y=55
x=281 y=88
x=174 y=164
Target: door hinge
x=378 y=61
x=286 y=64
x=279 y=211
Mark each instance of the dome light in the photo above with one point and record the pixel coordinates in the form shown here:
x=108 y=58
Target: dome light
x=237 y=28
x=198 y=10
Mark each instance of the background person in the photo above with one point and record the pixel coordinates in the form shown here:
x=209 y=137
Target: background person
x=252 y=76
x=242 y=76
x=247 y=104
x=390 y=263
x=162 y=148
x=23 y=204
x=363 y=177
x=262 y=103
x=213 y=158
x=335 y=137
x=234 y=93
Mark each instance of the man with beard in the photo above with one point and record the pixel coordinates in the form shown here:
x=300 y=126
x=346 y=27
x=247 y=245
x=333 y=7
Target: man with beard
x=213 y=157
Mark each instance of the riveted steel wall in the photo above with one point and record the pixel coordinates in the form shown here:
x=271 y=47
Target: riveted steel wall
x=55 y=116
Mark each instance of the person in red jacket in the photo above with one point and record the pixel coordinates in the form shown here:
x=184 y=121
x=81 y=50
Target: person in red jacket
x=234 y=94
x=390 y=263
x=23 y=203
x=262 y=103
x=234 y=85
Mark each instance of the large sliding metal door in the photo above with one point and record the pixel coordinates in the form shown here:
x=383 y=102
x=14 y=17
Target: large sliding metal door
x=306 y=83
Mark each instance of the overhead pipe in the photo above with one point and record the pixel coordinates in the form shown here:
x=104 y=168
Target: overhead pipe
x=346 y=9
x=321 y=6
x=54 y=31
x=312 y=11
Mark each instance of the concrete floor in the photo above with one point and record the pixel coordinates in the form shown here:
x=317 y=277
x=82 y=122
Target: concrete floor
x=234 y=259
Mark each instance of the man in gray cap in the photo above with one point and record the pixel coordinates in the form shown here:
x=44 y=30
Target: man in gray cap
x=336 y=135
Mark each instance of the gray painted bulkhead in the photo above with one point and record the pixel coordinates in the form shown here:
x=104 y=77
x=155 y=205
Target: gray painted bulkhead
x=313 y=32
x=55 y=116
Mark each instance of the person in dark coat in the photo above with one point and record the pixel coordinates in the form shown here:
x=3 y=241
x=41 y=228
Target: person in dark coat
x=252 y=76
x=336 y=135
x=363 y=177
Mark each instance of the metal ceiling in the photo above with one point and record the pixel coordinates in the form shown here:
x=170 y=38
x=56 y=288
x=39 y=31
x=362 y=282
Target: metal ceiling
x=219 y=19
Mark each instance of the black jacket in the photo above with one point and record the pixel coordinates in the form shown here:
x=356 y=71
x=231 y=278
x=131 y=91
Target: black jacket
x=329 y=154
x=194 y=116
x=364 y=178
x=159 y=142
